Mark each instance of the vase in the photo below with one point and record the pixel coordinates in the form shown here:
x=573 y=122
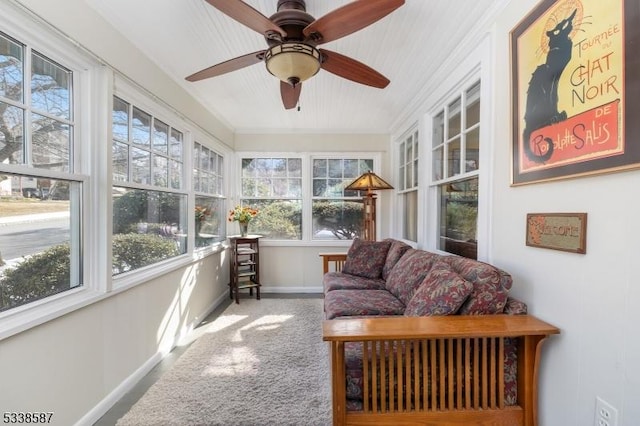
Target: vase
x=198 y=227
x=243 y=228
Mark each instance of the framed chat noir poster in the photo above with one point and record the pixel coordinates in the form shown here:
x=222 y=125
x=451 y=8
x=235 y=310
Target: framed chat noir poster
x=575 y=85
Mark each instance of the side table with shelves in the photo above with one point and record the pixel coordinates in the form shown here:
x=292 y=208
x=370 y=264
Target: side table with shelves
x=245 y=265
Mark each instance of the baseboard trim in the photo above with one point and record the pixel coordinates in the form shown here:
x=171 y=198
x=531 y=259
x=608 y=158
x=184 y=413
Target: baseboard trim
x=114 y=396
x=274 y=289
x=127 y=384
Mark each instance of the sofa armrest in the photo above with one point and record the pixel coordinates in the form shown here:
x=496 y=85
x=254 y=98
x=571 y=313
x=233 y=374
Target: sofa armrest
x=434 y=327
x=333 y=262
x=467 y=353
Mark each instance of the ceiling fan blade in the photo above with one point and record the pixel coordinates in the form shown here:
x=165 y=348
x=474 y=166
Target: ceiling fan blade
x=290 y=94
x=247 y=15
x=349 y=68
x=228 y=66
x=349 y=19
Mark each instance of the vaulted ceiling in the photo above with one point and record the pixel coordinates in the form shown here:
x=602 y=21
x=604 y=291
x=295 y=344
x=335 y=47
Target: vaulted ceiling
x=408 y=47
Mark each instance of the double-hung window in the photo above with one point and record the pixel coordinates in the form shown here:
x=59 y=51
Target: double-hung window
x=456 y=168
x=336 y=212
x=408 y=186
x=149 y=195
x=41 y=189
x=273 y=186
x=208 y=184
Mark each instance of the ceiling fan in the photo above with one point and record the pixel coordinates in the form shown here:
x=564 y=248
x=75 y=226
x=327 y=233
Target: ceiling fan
x=293 y=35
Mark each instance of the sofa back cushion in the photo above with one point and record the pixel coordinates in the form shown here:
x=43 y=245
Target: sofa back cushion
x=442 y=292
x=396 y=251
x=491 y=286
x=366 y=258
x=409 y=272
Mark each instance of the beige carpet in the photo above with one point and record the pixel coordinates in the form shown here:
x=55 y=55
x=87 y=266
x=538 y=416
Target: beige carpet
x=259 y=363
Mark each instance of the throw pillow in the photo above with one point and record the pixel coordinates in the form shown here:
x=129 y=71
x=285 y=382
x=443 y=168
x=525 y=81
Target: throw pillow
x=366 y=258
x=442 y=292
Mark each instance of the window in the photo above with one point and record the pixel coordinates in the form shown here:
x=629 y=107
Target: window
x=337 y=214
x=408 y=186
x=210 y=213
x=274 y=187
x=40 y=253
x=149 y=202
x=455 y=157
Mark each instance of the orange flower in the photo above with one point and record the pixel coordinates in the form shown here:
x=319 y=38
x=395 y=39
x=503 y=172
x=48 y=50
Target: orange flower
x=242 y=214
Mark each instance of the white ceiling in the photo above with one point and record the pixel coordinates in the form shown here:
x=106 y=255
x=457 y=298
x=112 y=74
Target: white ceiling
x=407 y=46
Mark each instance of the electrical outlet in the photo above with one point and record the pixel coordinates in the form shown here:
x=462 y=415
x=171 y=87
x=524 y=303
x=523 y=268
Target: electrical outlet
x=606 y=415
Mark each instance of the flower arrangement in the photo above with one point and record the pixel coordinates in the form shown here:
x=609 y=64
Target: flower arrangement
x=242 y=214
x=202 y=213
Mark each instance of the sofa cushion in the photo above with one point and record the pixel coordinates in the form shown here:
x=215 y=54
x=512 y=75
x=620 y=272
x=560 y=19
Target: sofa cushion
x=366 y=258
x=491 y=286
x=409 y=272
x=340 y=303
x=396 y=251
x=442 y=292
x=341 y=281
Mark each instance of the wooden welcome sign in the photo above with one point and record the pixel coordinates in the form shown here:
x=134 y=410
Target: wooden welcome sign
x=558 y=231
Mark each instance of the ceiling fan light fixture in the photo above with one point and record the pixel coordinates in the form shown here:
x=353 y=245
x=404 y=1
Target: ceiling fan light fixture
x=293 y=62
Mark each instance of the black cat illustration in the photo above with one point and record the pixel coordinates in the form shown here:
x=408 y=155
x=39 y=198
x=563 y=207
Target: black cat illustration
x=542 y=94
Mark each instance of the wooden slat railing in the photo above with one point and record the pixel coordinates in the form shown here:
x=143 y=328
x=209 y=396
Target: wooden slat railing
x=449 y=370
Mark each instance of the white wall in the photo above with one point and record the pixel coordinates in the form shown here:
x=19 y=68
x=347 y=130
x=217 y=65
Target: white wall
x=589 y=297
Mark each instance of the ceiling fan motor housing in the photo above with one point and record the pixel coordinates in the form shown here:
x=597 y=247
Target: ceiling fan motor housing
x=292 y=18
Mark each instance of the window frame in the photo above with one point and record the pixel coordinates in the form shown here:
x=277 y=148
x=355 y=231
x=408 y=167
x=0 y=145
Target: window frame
x=88 y=76
x=307 y=190
x=477 y=66
x=402 y=189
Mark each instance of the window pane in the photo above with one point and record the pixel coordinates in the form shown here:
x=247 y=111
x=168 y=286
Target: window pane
x=11 y=69
x=277 y=219
x=294 y=166
x=141 y=127
x=410 y=209
x=160 y=137
x=473 y=105
x=279 y=167
x=320 y=168
x=175 y=143
x=454 y=119
x=438 y=129
x=160 y=171
x=210 y=221
x=351 y=170
x=438 y=163
x=175 y=174
x=12 y=137
x=148 y=227
x=459 y=217
x=453 y=157
x=41 y=252
x=335 y=168
x=140 y=166
x=120 y=156
x=473 y=148
x=50 y=87
x=120 y=119
x=51 y=143
x=337 y=219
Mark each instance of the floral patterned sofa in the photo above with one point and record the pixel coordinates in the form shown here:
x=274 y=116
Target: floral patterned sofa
x=447 y=360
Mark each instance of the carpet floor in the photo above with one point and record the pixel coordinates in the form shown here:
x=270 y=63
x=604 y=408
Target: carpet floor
x=262 y=362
